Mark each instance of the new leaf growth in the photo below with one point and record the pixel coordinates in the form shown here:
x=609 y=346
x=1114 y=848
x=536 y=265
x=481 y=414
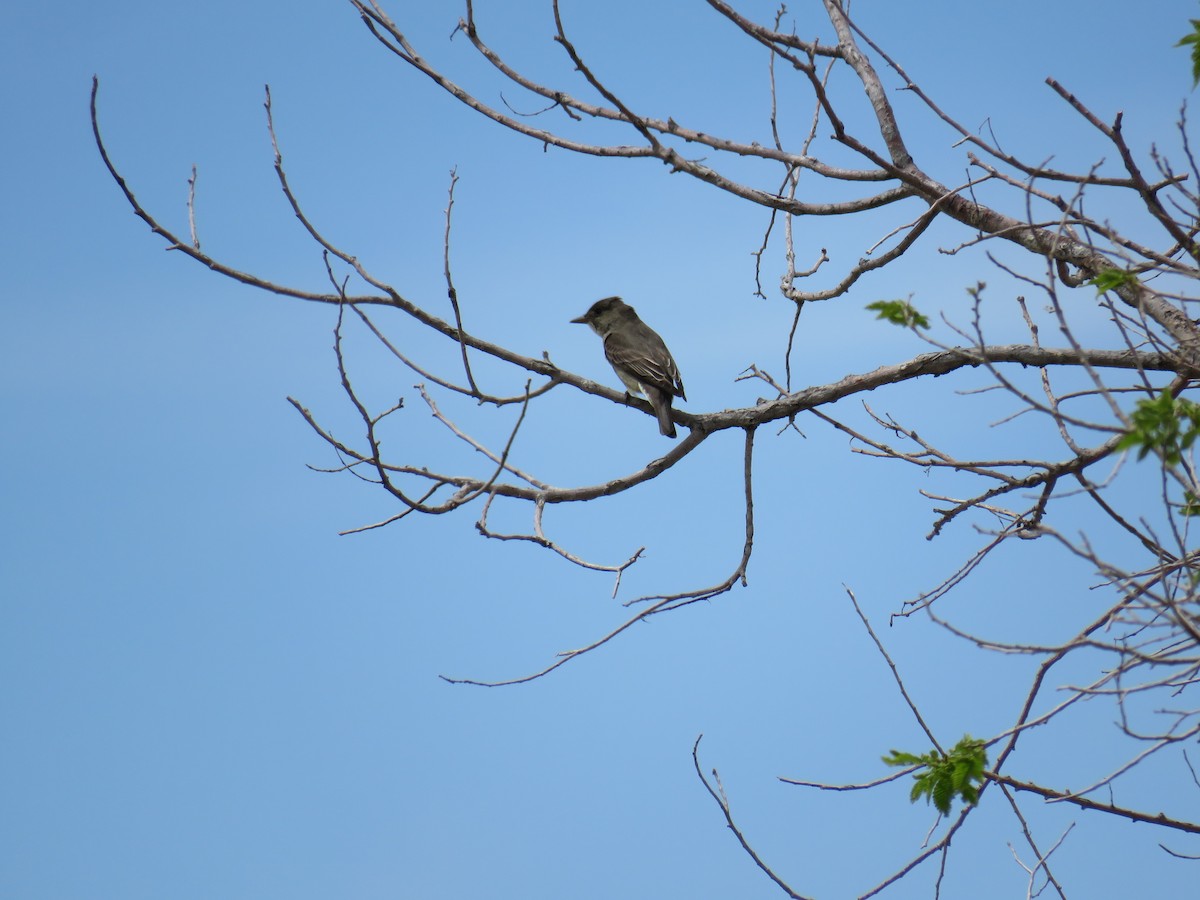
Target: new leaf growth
x=1166 y=424
x=899 y=312
x=1111 y=279
x=942 y=777
x=1194 y=40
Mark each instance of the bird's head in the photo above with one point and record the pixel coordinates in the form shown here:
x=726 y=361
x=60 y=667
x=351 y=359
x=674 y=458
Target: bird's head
x=603 y=313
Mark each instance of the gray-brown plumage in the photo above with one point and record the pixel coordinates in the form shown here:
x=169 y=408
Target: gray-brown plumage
x=638 y=356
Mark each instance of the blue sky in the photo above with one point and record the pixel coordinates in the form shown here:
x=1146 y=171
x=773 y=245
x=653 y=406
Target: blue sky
x=206 y=692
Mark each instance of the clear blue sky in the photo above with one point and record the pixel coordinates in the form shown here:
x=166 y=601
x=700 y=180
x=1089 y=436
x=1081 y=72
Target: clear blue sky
x=206 y=692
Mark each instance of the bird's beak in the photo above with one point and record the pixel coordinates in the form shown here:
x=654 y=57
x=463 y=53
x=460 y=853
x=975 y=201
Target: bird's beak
x=582 y=320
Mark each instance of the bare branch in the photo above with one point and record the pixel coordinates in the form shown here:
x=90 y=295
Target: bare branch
x=718 y=794
x=1085 y=803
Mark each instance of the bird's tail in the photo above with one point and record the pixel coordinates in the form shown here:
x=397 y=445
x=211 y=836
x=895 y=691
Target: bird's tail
x=661 y=401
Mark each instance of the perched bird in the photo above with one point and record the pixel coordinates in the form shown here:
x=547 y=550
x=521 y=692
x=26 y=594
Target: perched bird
x=638 y=356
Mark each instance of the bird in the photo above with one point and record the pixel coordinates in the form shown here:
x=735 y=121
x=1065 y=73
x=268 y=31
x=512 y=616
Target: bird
x=638 y=356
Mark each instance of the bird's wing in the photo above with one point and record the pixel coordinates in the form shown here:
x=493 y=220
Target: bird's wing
x=655 y=368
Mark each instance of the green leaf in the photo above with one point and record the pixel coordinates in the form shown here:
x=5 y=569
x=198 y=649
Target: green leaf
x=961 y=774
x=1191 y=504
x=919 y=787
x=1111 y=279
x=899 y=758
x=943 y=796
x=1194 y=40
x=899 y=312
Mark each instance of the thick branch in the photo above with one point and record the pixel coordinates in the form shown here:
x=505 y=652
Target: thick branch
x=1085 y=803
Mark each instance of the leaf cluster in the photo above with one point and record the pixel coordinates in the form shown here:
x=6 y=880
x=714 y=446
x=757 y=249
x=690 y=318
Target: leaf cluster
x=1166 y=424
x=942 y=777
x=1111 y=279
x=899 y=312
